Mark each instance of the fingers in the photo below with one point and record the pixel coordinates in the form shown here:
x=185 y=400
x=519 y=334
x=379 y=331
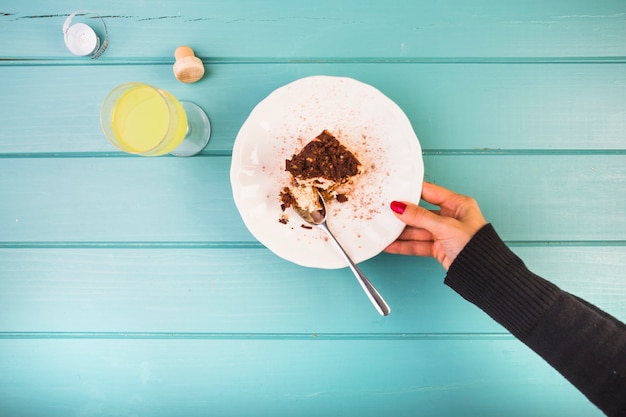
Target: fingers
x=412 y=248
x=417 y=217
x=412 y=233
x=441 y=233
x=437 y=195
x=457 y=206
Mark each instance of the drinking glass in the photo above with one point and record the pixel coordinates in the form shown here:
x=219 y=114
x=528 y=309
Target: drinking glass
x=144 y=120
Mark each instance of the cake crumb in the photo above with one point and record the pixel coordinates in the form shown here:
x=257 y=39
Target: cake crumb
x=342 y=198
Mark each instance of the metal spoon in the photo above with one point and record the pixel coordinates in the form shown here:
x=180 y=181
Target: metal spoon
x=318 y=218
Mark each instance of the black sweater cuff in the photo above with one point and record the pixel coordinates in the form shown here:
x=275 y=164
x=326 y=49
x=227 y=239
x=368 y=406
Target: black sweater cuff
x=487 y=273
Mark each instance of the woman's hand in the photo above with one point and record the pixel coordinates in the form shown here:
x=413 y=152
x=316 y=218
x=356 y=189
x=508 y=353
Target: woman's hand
x=441 y=233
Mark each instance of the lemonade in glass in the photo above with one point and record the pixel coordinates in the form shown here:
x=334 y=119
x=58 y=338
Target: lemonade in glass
x=144 y=120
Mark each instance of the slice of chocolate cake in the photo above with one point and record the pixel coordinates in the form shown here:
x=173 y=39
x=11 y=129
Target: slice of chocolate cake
x=324 y=159
x=324 y=164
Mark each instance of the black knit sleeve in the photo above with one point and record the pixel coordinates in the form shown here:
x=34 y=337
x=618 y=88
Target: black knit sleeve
x=585 y=344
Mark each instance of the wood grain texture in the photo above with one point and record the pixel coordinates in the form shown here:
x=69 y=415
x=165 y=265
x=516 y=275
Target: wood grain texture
x=451 y=106
x=397 y=29
x=210 y=292
x=242 y=377
x=130 y=286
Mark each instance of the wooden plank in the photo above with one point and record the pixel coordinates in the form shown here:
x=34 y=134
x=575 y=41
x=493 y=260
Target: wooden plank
x=451 y=106
x=542 y=198
x=398 y=28
x=59 y=377
x=135 y=199
x=124 y=198
x=210 y=291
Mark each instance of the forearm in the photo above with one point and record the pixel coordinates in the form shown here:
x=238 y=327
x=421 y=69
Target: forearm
x=586 y=345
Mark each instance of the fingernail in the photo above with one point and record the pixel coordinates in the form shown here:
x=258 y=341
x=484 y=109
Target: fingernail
x=398 y=207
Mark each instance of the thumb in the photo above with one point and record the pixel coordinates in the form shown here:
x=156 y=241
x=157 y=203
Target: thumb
x=416 y=216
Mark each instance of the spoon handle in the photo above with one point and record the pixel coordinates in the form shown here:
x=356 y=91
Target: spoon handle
x=377 y=300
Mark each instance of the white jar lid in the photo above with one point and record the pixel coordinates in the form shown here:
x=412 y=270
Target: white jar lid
x=81 y=39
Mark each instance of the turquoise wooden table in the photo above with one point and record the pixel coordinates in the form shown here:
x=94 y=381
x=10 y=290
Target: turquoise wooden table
x=129 y=286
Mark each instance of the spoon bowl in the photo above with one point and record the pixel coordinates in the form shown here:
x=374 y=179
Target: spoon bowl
x=317 y=218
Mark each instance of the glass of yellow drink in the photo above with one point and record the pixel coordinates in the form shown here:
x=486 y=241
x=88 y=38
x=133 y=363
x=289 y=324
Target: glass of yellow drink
x=144 y=120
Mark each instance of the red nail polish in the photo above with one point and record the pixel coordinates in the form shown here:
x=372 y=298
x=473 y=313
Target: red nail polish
x=398 y=207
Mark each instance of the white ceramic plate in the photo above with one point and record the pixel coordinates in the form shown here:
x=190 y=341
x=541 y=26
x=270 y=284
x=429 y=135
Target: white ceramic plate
x=366 y=122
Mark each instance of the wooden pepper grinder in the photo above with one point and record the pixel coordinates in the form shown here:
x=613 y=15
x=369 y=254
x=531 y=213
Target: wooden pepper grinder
x=187 y=68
